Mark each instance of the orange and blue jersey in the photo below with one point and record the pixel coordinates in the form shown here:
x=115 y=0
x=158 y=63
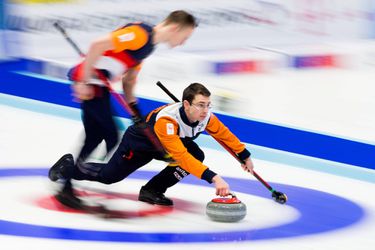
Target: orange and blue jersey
x=172 y=127
x=132 y=43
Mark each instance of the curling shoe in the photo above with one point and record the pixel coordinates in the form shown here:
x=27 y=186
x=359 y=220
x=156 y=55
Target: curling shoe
x=67 y=197
x=154 y=197
x=58 y=170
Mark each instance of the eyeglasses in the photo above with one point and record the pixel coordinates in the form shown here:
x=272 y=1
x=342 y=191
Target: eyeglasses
x=201 y=106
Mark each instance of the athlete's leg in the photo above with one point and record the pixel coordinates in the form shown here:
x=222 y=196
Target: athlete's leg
x=169 y=176
x=98 y=122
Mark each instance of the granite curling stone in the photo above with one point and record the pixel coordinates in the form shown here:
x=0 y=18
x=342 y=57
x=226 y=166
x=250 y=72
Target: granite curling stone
x=226 y=209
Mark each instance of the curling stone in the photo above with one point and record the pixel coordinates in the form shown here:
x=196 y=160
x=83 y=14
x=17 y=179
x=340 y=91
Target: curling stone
x=226 y=209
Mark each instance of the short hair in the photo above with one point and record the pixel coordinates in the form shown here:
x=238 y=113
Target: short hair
x=194 y=89
x=182 y=18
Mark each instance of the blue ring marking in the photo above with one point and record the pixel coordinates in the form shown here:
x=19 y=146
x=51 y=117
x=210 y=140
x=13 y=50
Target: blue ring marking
x=320 y=212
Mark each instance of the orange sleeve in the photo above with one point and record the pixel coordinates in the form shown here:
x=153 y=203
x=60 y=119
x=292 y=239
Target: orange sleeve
x=166 y=130
x=219 y=131
x=129 y=38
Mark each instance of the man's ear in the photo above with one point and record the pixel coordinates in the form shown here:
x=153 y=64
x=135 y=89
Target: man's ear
x=186 y=104
x=174 y=27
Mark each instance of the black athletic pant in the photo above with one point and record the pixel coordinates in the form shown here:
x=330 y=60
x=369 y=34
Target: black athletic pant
x=99 y=125
x=122 y=163
x=98 y=122
x=125 y=161
x=173 y=173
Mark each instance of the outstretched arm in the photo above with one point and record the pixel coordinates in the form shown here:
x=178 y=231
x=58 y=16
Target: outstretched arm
x=81 y=90
x=221 y=133
x=222 y=188
x=248 y=165
x=97 y=48
x=128 y=84
x=230 y=142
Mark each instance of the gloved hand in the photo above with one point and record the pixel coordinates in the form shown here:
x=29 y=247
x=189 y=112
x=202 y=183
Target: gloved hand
x=168 y=158
x=136 y=117
x=164 y=156
x=82 y=91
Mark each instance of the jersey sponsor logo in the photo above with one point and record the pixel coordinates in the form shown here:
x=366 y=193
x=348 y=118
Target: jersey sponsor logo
x=170 y=129
x=126 y=37
x=178 y=177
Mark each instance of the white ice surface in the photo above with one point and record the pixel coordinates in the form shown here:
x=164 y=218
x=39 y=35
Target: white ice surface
x=33 y=139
